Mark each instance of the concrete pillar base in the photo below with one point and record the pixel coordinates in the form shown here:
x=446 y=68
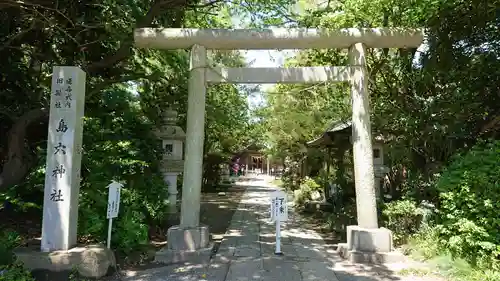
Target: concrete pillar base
x=93 y=261
x=186 y=244
x=369 y=246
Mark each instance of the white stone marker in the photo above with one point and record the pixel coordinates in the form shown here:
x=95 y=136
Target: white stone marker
x=279 y=213
x=64 y=155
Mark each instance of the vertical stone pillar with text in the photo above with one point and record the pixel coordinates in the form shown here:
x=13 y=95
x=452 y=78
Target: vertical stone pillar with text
x=64 y=155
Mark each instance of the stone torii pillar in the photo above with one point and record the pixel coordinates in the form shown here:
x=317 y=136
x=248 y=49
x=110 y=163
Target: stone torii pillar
x=364 y=238
x=364 y=177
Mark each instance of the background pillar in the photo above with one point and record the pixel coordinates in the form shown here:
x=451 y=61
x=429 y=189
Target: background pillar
x=171 y=180
x=268 y=159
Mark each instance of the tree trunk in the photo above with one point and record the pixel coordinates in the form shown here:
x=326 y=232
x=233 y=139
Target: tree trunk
x=19 y=161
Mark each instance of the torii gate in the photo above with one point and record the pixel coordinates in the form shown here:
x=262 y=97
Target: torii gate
x=189 y=236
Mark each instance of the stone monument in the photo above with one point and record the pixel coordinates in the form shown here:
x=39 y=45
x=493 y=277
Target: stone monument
x=64 y=155
x=62 y=185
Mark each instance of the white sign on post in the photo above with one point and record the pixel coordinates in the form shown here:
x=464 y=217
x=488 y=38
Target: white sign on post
x=279 y=213
x=114 y=189
x=114 y=199
x=279 y=207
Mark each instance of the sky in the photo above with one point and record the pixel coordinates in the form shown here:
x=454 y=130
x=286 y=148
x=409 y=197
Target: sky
x=264 y=58
x=261 y=58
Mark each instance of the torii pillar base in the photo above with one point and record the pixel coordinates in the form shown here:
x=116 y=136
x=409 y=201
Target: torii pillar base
x=186 y=245
x=365 y=245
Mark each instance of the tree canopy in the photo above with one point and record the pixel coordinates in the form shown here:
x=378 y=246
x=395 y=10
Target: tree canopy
x=127 y=90
x=97 y=36
x=430 y=101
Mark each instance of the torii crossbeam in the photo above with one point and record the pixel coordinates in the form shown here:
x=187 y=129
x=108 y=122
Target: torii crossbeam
x=277 y=38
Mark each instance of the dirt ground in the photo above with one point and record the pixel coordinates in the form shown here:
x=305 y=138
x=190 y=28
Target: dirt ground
x=217 y=209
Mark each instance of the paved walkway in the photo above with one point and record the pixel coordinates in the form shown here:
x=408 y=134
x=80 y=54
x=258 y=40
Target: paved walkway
x=249 y=244
x=247 y=251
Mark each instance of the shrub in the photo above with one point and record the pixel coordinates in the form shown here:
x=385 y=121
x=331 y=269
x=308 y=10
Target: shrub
x=425 y=244
x=305 y=190
x=15 y=272
x=131 y=233
x=212 y=165
x=10 y=268
x=302 y=195
x=138 y=208
x=8 y=241
x=470 y=200
x=428 y=246
x=291 y=176
x=311 y=183
x=403 y=217
x=343 y=216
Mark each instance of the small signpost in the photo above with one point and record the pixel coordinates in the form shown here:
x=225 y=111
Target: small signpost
x=279 y=213
x=114 y=189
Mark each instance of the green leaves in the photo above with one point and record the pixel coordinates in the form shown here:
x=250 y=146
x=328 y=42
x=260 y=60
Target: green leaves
x=470 y=195
x=296 y=114
x=404 y=218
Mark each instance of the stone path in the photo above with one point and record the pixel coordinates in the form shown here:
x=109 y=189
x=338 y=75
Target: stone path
x=247 y=252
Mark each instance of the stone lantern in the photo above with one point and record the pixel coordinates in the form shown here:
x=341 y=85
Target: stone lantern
x=379 y=169
x=172 y=137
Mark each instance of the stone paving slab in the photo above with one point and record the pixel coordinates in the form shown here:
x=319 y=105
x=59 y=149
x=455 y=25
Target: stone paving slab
x=252 y=250
x=245 y=269
x=281 y=269
x=315 y=270
x=186 y=272
x=293 y=266
x=268 y=249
